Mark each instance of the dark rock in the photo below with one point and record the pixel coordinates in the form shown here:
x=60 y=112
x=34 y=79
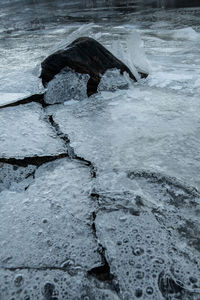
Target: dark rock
x=85 y=56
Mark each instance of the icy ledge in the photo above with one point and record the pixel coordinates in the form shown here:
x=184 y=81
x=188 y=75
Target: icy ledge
x=94 y=233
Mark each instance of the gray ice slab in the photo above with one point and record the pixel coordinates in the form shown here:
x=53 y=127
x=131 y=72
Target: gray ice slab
x=7 y=98
x=142 y=255
x=25 y=133
x=142 y=128
x=49 y=224
x=176 y=205
x=50 y=284
x=15 y=177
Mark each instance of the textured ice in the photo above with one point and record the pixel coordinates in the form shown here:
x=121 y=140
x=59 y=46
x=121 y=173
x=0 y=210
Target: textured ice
x=51 y=284
x=177 y=206
x=174 y=204
x=135 y=54
x=141 y=254
x=174 y=59
x=131 y=51
x=16 y=85
x=113 y=80
x=15 y=177
x=25 y=133
x=7 y=98
x=67 y=85
x=141 y=128
x=48 y=225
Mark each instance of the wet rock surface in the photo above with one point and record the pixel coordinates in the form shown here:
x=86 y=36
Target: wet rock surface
x=85 y=56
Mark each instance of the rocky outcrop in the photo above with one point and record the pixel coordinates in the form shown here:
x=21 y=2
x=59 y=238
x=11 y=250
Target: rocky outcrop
x=85 y=56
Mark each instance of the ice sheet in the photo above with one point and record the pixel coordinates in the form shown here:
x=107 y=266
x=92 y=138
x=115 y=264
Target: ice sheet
x=141 y=128
x=7 y=98
x=24 y=132
x=48 y=225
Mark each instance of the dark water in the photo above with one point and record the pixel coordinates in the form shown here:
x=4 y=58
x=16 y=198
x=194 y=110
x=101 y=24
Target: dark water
x=31 y=14
x=123 y=4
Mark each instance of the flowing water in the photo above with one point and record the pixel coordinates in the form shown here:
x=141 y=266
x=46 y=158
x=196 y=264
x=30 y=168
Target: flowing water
x=100 y=197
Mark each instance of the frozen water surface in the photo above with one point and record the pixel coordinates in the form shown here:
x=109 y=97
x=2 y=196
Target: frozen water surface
x=46 y=219
x=136 y=129
x=7 y=98
x=52 y=284
x=142 y=257
x=46 y=234
x=12 y=175
x=120 y=218
x=24 y=133
x=65 y=86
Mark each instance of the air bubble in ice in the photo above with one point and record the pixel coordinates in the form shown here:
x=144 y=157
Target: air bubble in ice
x=139 y=275
x=154 y=243
x=149 y=290
x=193 y=280
x=126 y=240
x=48 y=290
x=137 y=251
x=131 y=262
x=159 y=260
x=138 y=238
x=18 y=280
x=138 y=293
x=126 y=296
x=138 y=266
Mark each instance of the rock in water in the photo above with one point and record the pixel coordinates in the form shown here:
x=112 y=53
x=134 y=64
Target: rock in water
x=85 y=56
